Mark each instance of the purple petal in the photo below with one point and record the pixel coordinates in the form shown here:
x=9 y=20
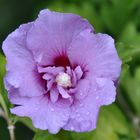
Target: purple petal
x=62 y=102
x=22 y=72
x=15 y=97
x=106 y=91
x=84 y=115
x=85 y=112
x=48 y=76
x=52 y=34
x=54 y=94
x=69 y=71
x=74 y=79
x=96 y=54
x=78 y=71
x=50 y=84
x=51 y=70
x=43 y=113
x=83 y=88
x=63 y=92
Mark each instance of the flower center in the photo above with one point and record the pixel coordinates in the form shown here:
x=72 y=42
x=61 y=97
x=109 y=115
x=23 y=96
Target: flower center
x=63 y=79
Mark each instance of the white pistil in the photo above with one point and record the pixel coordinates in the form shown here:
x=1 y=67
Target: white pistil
x=63 y=79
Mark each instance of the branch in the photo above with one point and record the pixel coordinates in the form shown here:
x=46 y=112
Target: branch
x=11 y=127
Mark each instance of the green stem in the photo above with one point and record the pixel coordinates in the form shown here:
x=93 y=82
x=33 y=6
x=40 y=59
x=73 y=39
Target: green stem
x=5 y=115
x=11 y=126
x=11 y=131
x=3 y=104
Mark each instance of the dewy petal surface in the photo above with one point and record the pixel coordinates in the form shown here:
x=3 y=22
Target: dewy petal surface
x=105 y=91
x=84 y=115
x=52 y=33
x=21 y=68
x=84 y=112
x=82 y=89
x=43 y=113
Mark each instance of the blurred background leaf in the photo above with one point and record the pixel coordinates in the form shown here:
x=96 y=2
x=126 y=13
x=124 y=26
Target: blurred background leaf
x=127 y=51
x=2 y=72
x=131 y=85
x=26 y=121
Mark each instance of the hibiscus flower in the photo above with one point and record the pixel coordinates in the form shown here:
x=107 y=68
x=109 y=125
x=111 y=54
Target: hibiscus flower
x=60 y=72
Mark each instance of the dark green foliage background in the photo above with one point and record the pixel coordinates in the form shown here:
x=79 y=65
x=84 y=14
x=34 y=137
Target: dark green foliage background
x=120 y=19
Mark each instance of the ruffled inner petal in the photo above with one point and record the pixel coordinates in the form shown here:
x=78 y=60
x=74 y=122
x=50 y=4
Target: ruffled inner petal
x=54 y=94
x=50 y=84
x=63 y=92
x=47 y=76
x=51 y=70
x=74 y=79
x=79 y=73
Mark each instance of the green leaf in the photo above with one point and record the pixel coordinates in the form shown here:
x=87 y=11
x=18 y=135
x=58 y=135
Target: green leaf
x=3 y=93
x=2 y=72
x=113 y=125
x=26 y=121
x=127 y=52
x=2 y=65
x=130 y=35
x=131 y=84
x=44 y=135
x=115 y=14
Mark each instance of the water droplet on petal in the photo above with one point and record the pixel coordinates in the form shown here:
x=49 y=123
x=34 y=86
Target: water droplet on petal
x=87 y=113
x=97 y=97
x=78 y=115
x=76 y=111
x=67 y=114
x=81 y=105
x=71 y=128
x=37 y=103
x=36 y=108
x=52 y=109
x=85 y=125
x=101 y=82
